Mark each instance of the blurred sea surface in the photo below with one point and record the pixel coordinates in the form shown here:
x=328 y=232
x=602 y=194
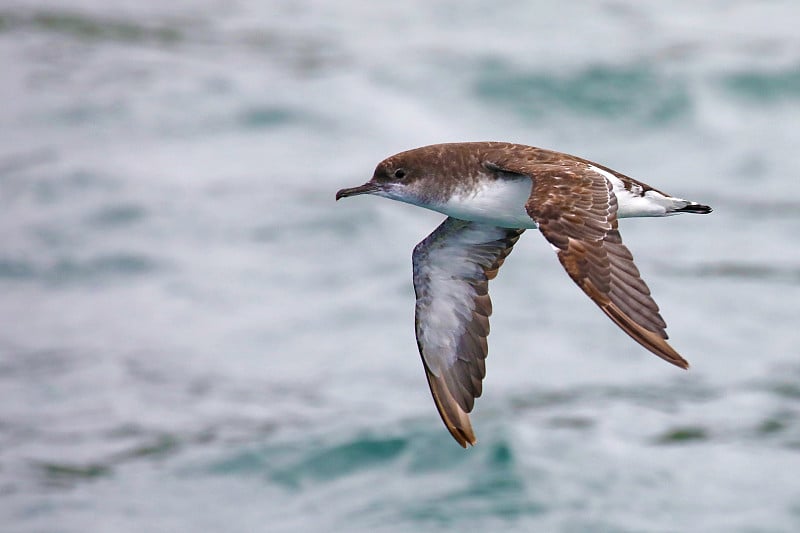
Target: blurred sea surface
x=195 y=337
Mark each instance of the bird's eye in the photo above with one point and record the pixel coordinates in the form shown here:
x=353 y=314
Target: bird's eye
x=399 y=173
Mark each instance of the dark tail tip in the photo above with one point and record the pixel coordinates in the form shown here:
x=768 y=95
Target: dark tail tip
x=695 y=208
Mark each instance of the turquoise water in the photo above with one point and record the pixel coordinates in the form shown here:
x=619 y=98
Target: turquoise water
x=195 y=337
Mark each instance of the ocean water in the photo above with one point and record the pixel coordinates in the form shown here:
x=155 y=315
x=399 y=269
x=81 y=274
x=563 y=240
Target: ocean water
x=195 y=337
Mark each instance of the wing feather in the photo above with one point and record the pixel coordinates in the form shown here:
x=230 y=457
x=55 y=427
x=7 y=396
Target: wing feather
x=576 y=211
x=452 y=268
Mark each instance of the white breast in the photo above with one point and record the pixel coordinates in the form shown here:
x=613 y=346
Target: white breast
x=499 y=202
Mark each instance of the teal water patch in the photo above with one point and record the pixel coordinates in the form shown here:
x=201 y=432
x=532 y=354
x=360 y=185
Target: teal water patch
x=249 y=461
x=291 y=466
x=341 y=460
x=434 y=451
x=494 y=488
x=635 y=92
x=765 y=87
x=430 y=480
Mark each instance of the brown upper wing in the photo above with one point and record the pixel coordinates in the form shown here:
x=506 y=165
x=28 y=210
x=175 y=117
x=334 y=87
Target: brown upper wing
x=452 y=269
x=576 y=211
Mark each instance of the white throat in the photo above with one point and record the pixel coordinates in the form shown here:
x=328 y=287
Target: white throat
x=497 y=202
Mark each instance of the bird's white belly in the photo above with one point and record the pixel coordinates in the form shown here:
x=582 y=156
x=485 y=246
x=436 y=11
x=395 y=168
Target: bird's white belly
x=499 y=202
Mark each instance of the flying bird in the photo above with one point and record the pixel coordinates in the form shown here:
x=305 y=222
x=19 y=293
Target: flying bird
x=491 y=193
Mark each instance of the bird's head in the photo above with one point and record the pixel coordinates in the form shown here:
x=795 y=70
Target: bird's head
x=400 y=177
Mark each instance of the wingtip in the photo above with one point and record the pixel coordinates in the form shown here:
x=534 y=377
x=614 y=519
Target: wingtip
x=664 y=350
x=681 y=363
x=463 y=439
x=455 y=419
x=651 y=340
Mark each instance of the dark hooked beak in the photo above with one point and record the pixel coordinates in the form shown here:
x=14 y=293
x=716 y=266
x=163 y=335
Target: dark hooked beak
x=367 y=188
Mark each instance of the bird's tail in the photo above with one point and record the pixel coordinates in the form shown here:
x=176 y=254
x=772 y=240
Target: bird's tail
x=693 y=207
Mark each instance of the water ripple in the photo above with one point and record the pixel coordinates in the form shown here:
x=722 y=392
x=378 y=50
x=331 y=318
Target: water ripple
x=738 y=270
x=88 y=27
x=765 y=87
x=68 y=270
x=602 y=91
